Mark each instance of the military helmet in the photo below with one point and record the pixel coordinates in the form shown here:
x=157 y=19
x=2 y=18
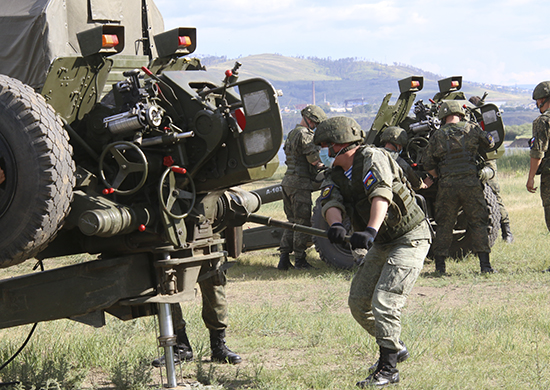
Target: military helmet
x=395 y=135
x=542 y=90
x=314 y=113
x=449 y=107
x=338 y=130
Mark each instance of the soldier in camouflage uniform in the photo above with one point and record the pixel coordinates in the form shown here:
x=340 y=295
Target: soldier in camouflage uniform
x=212 y=281
x=303 y=164
x=495 y=186
x=394 y=140
x=366 y=184
x=451 y=157
x=540 y=154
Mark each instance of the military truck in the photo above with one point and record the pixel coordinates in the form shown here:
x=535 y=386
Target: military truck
x=115 y=142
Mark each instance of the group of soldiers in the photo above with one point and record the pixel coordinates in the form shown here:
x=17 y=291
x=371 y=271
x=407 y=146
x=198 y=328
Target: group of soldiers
x=374 y=187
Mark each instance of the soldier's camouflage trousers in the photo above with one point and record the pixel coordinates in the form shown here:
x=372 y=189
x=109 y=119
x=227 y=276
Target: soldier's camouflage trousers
x=297 y=207
x=447 y=204
x=495 y=186
x=383 y=282
x=545 y=196
x=214 y=303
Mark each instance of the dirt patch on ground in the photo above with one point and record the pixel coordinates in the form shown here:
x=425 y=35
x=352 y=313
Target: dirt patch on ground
x=459 y=296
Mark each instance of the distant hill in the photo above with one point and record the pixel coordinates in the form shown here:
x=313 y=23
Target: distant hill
x=336 y=81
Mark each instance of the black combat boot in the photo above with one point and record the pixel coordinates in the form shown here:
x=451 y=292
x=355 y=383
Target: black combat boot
x=284 y=262
x=182 y=350
x=386 y=371
x=220 y=352
x=440 y=264
x=301 y=262
x=484 y=263
x=506 y=233
x=402 y=355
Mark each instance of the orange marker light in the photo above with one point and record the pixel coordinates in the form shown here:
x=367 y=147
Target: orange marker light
x=109 y=40
x=184 y=41
x=415 y=84
x=454 y=84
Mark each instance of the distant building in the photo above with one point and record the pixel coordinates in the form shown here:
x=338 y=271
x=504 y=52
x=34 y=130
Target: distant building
x=354 y=102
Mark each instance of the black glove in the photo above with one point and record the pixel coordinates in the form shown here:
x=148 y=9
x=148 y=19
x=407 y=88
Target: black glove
x=336 y=233
x=363 y=239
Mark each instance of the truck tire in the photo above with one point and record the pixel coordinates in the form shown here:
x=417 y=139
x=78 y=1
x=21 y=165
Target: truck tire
x=462 y=237
x=40 y=174
x=339 y=256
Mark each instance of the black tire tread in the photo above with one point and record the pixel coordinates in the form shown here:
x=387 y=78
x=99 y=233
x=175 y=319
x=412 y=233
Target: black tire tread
x=51 y=204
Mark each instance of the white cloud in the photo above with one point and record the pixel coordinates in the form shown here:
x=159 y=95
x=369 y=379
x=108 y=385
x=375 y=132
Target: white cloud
x=491 y=41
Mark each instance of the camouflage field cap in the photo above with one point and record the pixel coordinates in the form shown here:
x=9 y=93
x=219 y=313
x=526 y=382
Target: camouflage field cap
x=450 y=107
x=314 y=113
x=395 y=135
x=338 y=130
x=542 y=90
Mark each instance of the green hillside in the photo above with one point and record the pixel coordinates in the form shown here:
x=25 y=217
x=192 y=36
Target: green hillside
x=336 y=81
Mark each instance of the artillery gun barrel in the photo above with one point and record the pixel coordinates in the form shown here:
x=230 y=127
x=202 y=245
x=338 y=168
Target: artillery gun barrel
x=270 y=194
x=268 y=221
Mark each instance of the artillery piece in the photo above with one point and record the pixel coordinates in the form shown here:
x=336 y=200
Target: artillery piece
x=143 y=173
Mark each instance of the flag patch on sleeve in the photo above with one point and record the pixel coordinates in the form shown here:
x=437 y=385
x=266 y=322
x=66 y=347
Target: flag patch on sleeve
x=325 y=194
x=369 y=180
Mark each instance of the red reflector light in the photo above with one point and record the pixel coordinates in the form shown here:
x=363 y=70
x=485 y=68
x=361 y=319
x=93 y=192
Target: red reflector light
x=482 y=125
x=109 y=40
x=454 y=84
x=241 y=118
x=415 y=84
x=142 y=228
x=179 y=170
x=184 y=41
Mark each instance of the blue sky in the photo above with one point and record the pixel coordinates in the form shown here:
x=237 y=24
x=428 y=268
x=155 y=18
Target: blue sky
x=504 y=42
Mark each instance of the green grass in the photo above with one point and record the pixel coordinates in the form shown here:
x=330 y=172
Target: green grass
x=294 y=330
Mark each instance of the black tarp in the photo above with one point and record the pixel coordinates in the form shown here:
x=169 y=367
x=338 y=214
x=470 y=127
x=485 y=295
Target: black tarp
x=34 y=32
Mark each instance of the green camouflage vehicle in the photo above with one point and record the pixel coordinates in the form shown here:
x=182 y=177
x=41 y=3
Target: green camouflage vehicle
x=115 y=142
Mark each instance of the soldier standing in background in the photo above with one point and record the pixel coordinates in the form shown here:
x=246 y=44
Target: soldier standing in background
x=495 y=186
x=451 y=157
x=393 y=139
x=303 y=164
x=212 y=281
x=539 y=153
x=367 y=185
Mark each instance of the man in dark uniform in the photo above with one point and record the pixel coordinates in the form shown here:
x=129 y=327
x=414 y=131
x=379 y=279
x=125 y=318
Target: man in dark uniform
x=451 y=156
x=214 y=315
x=366 y=184
x=303 y=164
x=394 y=139
x=540 y=156
x=495 y=186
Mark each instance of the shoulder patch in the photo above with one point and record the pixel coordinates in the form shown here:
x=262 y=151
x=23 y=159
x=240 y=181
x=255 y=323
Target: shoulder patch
x=531 y=143
x=369 y=180
x=325 y=194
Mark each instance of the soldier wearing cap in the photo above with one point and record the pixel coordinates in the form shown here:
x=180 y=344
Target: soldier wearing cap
x=367 y=185
x=303 y=164
x=540 y=154
x=394 y=139
x=451 y=158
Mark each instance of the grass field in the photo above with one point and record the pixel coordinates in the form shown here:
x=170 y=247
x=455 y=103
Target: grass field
x=294 y=330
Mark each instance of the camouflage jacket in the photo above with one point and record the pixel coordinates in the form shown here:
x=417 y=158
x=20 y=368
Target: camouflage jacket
x=374 y=174
x=453 y=150
x=541 y=136
x=410 y=173
x=300 y=152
